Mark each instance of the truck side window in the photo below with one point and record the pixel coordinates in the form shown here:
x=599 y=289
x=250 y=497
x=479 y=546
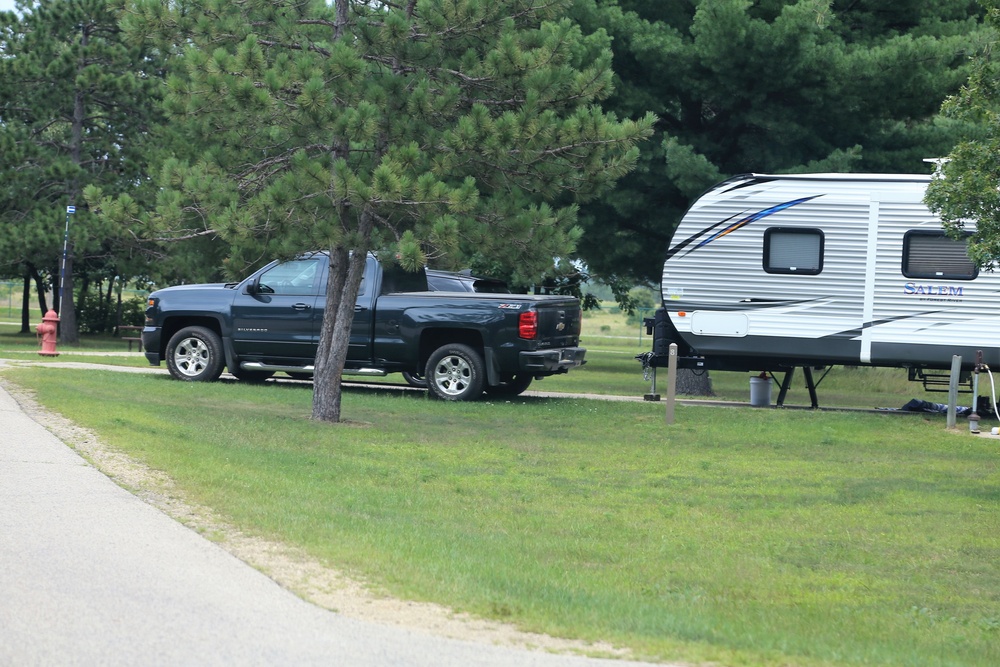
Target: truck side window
x=793 y=250
x=934 y=254
x=294 y=277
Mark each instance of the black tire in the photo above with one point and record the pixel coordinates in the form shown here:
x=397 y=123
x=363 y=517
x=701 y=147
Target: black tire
x=415 y=380
x=455 y=372
x=514 y=386
x=250 y=376
x=194 y=354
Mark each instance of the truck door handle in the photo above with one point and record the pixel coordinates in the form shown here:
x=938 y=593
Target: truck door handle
x=301 y=306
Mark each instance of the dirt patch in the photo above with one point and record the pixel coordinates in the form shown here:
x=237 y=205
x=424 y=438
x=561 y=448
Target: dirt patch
x=290 y=567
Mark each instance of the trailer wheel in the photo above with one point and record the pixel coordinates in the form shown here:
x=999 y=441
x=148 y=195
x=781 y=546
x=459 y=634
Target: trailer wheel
x=513 y=386
x=194 y=354
x=455 y=372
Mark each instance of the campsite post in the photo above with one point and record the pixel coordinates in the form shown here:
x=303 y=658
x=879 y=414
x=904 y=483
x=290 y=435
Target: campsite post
x=956 y=370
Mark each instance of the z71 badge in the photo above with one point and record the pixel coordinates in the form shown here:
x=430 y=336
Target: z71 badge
x=510 y=306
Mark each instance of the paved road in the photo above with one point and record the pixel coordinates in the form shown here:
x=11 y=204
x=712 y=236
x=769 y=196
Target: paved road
x=91 y=575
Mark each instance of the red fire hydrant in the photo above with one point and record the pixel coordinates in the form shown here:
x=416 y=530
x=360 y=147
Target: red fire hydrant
x=48 y=331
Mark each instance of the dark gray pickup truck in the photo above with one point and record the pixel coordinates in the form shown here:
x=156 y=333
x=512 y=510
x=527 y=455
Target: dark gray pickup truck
x=461 y=343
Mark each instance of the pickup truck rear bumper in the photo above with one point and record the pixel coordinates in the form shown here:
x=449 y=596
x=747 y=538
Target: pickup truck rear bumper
x=548 y=362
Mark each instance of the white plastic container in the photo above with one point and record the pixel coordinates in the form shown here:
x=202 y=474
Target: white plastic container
x=760 y=392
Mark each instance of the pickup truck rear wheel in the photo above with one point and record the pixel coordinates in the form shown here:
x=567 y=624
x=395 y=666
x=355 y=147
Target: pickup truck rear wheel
x=512 y=386
x=194 y=354
x=455 y=372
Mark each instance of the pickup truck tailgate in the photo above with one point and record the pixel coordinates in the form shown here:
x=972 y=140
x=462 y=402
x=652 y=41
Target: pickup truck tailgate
x=559 y=323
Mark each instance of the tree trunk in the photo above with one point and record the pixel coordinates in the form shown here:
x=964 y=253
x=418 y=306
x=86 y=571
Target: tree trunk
x=26 y=305
x=694 y=383
x=69 y=333
x=347 y=268
x=108 y=304
x=84 y=296
x=346 y=271
x=118 y=305
x=69 y=330
x=40 y=287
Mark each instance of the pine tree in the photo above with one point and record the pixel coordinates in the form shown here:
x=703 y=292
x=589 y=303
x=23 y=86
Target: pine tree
x=433 y=129
x=775 y=86
x=75 y=106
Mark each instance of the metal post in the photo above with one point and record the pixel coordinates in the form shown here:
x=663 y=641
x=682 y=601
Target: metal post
x=956 y=370
x=70 y=210
x=652 y=395
x=975 y=390
x=671 y=382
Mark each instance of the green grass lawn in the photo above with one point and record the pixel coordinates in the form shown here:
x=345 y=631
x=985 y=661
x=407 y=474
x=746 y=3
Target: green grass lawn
x=737 y=536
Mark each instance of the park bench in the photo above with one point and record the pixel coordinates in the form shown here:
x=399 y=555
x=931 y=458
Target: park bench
x=133 y=338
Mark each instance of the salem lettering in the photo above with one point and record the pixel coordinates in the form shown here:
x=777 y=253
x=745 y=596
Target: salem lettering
x=932 y=290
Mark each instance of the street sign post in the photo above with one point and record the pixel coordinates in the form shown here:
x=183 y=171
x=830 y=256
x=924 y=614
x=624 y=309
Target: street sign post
x=70 y=210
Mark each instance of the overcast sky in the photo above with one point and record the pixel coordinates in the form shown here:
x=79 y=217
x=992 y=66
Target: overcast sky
x=6 y=5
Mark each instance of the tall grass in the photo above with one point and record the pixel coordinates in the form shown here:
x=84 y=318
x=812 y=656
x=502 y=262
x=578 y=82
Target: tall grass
x=736 y=536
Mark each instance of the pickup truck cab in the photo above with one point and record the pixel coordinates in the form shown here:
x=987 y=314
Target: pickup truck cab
x=460 y=343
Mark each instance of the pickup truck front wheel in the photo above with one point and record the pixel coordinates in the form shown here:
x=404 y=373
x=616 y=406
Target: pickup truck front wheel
x=415 y=380
x=455 y=372
x=194 y=354
x=250 y=376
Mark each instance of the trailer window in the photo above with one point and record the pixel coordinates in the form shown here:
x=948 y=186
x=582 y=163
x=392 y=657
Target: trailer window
x=937 y=255
x=793 y=250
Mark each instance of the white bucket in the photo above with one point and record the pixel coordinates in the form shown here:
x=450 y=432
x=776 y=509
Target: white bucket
x=760 y=392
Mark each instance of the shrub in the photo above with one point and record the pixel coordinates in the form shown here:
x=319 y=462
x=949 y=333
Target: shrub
x=98 y=316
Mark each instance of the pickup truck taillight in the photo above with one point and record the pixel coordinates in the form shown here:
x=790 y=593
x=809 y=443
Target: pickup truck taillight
x=527 y=325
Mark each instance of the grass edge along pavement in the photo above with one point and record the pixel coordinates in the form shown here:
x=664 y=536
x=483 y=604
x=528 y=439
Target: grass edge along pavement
x=289 y=566
x=738 y=536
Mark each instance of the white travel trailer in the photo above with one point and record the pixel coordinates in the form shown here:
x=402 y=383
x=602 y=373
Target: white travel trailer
x=773 y=273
